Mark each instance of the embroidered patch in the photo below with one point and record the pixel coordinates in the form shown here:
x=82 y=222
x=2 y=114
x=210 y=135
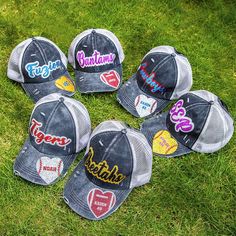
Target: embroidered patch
x=179 y=118
x=95 y=60
x=110 y=78
x=148 y=78
x=144 y=105
x=49 y=169
x=65 y=83
x=34 y=70
x=41 y=137
x=99 y=202
x=102 y=170
x=163 y=143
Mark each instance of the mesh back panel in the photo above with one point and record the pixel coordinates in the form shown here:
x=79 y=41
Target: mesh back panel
x=13 y=70
x=82 y=122
x=110 y=35
x=165 y=49
x=142 y=153
x=184 y=81
x=218 y=128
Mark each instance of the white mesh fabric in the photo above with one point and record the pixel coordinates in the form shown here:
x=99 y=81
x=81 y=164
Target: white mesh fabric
x=14 y=63
x=184 y=79
x=82 y=122
x=206 y=95
x=142 y=158
x=164 y=49
x=218 y=128
x=107 y=33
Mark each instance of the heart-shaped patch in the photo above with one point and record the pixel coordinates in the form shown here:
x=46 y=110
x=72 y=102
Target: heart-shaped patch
x=65 y=83
x=49 y=169
x=163 y=143
x=99 y=202
x=110 y=78
x=144 y=105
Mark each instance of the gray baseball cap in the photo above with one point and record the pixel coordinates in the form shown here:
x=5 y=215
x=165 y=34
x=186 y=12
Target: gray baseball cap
x=199 y=121
x=59 y=128
x=163 y=75
x=41 y=68
x=117 y=159
x=96 y=56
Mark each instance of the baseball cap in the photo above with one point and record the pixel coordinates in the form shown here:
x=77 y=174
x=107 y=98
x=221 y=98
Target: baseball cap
x=117 y=159
x=41 y=68
x=163 y=75
x=96 y=56
x=59 y=128
x=199 y=121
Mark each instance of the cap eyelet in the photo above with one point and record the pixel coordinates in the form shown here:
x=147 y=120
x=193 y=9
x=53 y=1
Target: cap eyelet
x=66 y=200
x=61 y=99
x=36 y=92
x=124 y=131
x=211 y=102
x=17 y=173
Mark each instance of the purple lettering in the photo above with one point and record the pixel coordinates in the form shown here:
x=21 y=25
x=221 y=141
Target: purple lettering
x=179 y=118
x=95 y=60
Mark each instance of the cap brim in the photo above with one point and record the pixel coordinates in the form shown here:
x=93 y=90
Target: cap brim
x=106 y=81
x=41 y=168
x=89 y=200
x=135 y=101
x=64 y=85
x=162 y=142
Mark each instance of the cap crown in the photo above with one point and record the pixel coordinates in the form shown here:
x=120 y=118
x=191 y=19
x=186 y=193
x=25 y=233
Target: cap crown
x=164 y=73
x=118 y=157
x=36 y=60
x=200 y=121
x=95 y=50
x=59 y=125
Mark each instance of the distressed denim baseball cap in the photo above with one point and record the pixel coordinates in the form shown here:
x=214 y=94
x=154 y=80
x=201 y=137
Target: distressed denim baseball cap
x=163 y=75
x=41 y=68
x=199 y=121
x=117 y=159
x=59 y=128
x=96 y=56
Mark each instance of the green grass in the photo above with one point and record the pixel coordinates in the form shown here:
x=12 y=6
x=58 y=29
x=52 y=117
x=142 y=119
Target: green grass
x=192 y=195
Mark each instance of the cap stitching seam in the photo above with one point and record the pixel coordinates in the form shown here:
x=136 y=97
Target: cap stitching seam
x=205 y=119
x=73 y=125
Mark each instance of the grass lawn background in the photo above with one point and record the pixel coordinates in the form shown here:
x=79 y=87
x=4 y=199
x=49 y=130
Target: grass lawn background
x=192 y=195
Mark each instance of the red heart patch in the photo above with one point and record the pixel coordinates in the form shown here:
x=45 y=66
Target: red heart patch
x=110 y=78
x=100 y=202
